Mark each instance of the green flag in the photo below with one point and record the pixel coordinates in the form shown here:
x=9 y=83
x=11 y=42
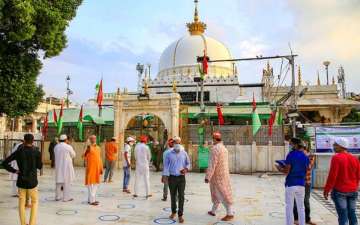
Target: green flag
x=60 y=120
x=80 y=124
x=202 y=74
x=256 y=123
x=279 y=118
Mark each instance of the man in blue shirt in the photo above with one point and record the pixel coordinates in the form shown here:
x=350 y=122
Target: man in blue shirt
x=170 y=147
x=296 y=164
x=176 y=165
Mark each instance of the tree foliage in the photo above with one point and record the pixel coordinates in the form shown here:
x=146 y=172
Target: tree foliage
x=29 y=30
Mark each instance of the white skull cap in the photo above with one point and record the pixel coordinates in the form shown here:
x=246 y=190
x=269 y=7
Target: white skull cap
x=63 y=137
x=342 y=142
x=129 y=139
x=177 y=138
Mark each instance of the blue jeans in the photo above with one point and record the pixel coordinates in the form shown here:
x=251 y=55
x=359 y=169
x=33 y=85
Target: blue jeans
x=345 y=204
x=126 y=177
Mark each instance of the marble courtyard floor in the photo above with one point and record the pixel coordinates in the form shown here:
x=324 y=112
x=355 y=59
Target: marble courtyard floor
x=258 y=201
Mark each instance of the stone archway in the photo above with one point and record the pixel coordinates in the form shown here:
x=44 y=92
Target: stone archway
x=164 y=106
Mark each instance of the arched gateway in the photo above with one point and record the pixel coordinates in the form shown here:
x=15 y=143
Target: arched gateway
x=164 y=106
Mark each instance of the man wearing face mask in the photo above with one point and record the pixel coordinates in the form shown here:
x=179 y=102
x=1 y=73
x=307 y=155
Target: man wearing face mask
x=176 y=165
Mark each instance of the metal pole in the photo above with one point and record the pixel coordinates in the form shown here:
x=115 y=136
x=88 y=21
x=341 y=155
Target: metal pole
x=202 y=106
x=294 y=98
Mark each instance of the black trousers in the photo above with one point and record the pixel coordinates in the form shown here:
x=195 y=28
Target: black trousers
x=306 y=203
x=177 y=192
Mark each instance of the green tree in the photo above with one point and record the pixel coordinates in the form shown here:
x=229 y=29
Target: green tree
x=29 y=30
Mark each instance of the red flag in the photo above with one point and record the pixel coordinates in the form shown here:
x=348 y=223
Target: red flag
x=55 y=116
x=220 y=115
x=254 y=103
x=271 y=122
x=99 y=98
x=205 y=63
x=45 y=126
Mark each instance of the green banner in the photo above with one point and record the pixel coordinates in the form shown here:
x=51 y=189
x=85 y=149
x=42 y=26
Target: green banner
x=203 y=157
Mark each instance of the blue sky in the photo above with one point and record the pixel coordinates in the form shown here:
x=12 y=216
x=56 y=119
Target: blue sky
x=107 y=38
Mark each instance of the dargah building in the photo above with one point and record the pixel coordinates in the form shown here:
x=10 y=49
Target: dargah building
x=169 y=104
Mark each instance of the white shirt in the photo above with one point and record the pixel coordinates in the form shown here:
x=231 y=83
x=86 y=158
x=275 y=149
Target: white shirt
x=142 y=156
x=127 y=149
x=64 y=169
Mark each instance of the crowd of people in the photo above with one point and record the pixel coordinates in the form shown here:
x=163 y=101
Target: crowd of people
x=25 y=160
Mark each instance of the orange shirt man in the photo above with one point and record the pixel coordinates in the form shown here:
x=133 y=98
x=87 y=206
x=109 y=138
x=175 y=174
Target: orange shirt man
x=94 y=169
x=111 y=150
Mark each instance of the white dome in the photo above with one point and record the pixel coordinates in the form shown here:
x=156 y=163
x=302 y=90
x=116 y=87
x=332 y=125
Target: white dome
x=180 y=57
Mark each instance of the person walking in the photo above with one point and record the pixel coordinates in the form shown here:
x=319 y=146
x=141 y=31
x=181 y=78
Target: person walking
x=94 y=169
x=170 y=147
x=111 y=150
x=176 y=165
x=130 y=141
x=218 y=176
x=343 y=182
x=142 y=172
x=304 y=148
x=64 y=169
x=296 y=165
x=52 y=145
x=13 y=176
x=28 y=159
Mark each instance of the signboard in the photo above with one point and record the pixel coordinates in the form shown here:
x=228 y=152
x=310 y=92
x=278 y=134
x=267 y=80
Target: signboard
x=203 y=157
x=324 y=138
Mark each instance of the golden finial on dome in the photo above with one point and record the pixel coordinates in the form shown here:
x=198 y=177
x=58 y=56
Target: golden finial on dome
x=299 y=76
x=197 y=27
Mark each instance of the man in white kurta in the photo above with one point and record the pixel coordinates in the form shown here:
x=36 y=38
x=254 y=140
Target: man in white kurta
x=218 y=175
x=142 y=172
x=64 y=169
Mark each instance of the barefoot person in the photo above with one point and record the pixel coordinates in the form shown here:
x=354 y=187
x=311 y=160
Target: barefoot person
x=130 y=141
x=111 y=150
x=142 y=172
x=28 y=159
x=307 y=188
x=218 y=176
x=343 y=182
x=176 y=165
x=64 y=169
x=94 y=169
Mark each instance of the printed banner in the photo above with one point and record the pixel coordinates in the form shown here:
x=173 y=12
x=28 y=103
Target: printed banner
x=324 y=138
x=203 y=157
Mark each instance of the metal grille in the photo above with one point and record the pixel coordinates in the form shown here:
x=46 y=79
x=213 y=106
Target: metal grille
x=231 y=134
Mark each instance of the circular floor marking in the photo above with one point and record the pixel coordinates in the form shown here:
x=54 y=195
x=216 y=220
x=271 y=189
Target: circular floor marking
x=126 y=206
x=277 y=215
x=164 y=221
x=66 y=212
x=223 y=223
x=167 y=209
x=107 y=218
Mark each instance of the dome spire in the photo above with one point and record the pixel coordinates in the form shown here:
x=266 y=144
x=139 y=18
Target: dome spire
x=197 y=27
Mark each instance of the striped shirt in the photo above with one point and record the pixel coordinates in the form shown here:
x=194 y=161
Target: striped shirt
x=308 y=171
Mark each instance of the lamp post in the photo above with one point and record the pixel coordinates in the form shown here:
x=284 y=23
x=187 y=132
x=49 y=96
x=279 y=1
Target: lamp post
x=140 y=69
x=326 y=64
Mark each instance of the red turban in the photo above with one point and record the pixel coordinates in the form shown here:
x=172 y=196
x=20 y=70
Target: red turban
x=217 y=135
x=143 y=138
